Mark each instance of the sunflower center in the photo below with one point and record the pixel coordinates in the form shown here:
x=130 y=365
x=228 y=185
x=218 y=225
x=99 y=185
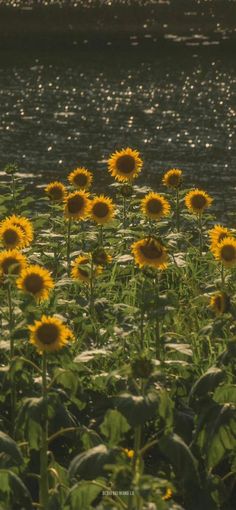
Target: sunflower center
x=151 y=250
x=126 y=164
x=173 y=179
x=75 y=204
x=82 y=270
x=154 y=206
x=56 y=193
x=228 y=253
x=10 y=236
x=100 y=257
x=33 y=283
x=198 y=201
x=218 y=303
x=10 y=264
x=100 y=209
x=80 y=179
x=48 y=334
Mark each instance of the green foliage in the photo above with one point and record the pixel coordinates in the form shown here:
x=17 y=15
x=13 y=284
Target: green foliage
x=139 y=409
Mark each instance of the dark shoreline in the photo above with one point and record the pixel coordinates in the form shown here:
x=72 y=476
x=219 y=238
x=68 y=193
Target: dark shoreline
x=182 y=21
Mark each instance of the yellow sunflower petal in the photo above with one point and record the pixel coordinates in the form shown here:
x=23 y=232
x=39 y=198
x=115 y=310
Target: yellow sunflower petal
x=80 y=178
x=81 y=268
x=150 y=252
x=11 y=236
x=125 y=165
x=220 y=303
x=217 y=234
x=77 y=205
x=225 y=252
x=26 y=227
x=197 y=201
x=49 y=334
x=155 y=206
x=37 y=281
x=56 y=191
x=102 y=209
x=172 y=178
x=12 y=262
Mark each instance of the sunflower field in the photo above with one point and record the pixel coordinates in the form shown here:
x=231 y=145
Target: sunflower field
x=118 y=344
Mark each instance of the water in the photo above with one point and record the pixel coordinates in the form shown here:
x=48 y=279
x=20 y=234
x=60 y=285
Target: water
x=175 y=105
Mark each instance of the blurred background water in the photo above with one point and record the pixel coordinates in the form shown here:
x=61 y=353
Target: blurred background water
x=61 y=108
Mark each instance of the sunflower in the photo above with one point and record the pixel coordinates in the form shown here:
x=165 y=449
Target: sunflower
x=150 y=252
x=217 y=234
x=80 y=178
x=168 y=495
x=220 y=303
x=12 y=262
x=26 y=227
x=155 y=206
x=56 y=191
x=11 y=235
x=129 y=453
x=125 y=165
x=36 y=281
x=197 y=200
x=77 y=205
x=81 y=268
x=102 y=209
x=101 y=257
x=172 y=178
x=225 y=252
x=49 y=334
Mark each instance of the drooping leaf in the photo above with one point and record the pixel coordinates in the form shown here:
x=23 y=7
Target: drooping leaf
x=114 y=426
x=207 y=382
x=90 y=464
x=82 y=495
x=10 y=454
x=137 y=409
x=181 y=458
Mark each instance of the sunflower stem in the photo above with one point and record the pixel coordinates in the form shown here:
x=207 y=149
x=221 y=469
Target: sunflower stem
x=68 y=246
x=157 y=322
x=177 y=210
x=11 y=326
x=124 y=211
x=91 y=284
x=101 y=235
x=13 y=192
x=44 y=493
x=142 y=315
x=137 y=462
x=200 y=234
x=83 y=240
x=11 y=318
x=222 y=275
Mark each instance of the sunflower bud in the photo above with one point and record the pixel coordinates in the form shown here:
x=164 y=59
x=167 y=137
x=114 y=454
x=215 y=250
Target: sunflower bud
x=142 y=367
x=126 y=190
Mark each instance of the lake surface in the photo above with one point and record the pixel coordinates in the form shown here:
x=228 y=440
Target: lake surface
x=175 y=104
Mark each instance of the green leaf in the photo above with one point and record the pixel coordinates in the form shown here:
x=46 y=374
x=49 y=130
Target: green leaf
x=114 y=427
x=223 y=435
x=10 y=454
x=136 y=408
x=207 y=382
x=90 y=464
x=165 y=409
x=86 y=356
x=82 y=495
x=181 y=458
x=18 y=494
x=225 y=394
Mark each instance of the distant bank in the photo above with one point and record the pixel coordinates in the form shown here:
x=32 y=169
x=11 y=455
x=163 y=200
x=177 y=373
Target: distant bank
x=189 y=21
